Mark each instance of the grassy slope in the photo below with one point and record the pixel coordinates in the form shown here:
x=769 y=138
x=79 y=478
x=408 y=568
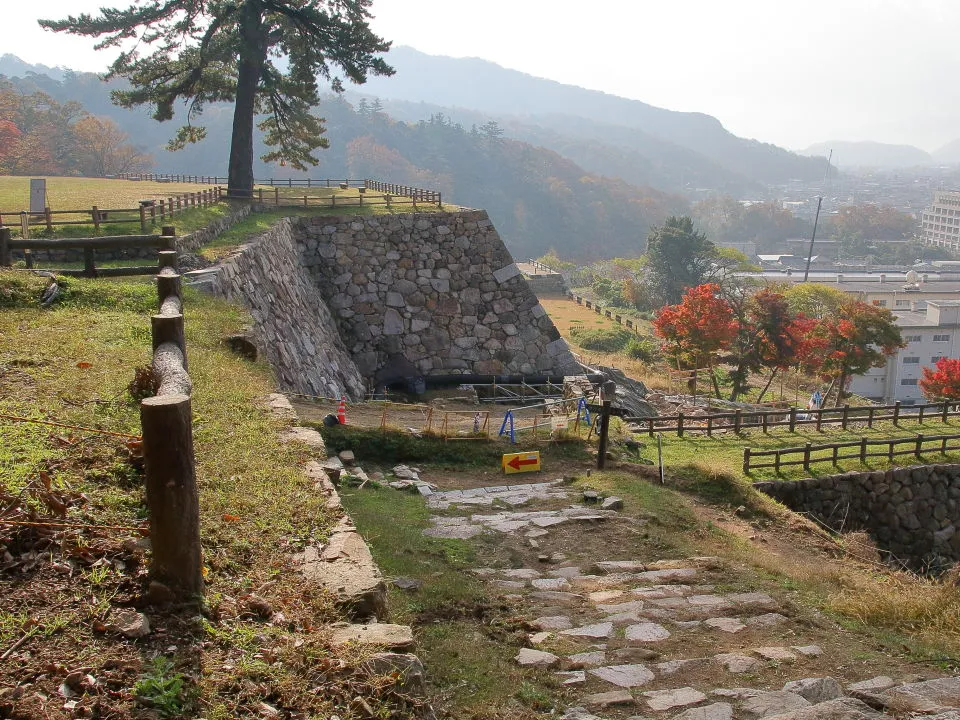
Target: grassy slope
x=77 y=193
x=256 y=511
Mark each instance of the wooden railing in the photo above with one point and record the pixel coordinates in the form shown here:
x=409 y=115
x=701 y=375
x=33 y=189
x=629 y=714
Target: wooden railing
x=739 y=420
x=362 y=199
x=616 y=317
x=915 y=446
x=148 y=212
x=169 y=463
x=420 y=194
x=222 y=179
x=165 y=241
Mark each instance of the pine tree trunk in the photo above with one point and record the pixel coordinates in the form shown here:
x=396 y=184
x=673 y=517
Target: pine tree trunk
x=249 y=69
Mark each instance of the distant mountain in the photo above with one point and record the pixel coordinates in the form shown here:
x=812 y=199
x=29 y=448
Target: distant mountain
x=869 y=154
x=12 y=66
x=949 y=154
x=480 y=85
x=610 y=150
x=536 y=198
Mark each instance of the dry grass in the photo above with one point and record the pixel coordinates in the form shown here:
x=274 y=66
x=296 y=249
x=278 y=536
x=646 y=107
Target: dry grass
x=77 y=193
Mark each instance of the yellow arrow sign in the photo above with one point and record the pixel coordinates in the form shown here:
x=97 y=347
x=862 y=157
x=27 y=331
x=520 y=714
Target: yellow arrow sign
x=520 y=462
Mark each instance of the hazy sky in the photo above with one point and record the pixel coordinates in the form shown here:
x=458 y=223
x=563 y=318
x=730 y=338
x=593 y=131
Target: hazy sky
x=790 y=73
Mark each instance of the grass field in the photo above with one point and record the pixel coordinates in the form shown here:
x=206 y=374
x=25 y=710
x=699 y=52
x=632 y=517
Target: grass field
x=76 y=193
x=72 y=364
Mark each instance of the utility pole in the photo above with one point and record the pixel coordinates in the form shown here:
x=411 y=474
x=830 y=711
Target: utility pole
x=816 y=220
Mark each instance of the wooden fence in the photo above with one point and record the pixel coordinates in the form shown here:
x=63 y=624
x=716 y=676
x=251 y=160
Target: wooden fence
x=167 y=429
x=426 y=196
x=739 y=420
x=265 y=197
x=915 y=446
x=148 y=212
x=616 y=317
x=165 y=241
x=223 y=179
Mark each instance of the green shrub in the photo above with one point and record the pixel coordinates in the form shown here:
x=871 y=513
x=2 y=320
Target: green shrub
x=642 y=348
x=601 y=339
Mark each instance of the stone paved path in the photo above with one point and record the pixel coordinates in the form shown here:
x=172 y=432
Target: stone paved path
x=657 y=639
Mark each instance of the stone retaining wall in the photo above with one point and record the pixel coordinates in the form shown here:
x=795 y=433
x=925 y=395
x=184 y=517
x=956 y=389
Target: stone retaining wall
x=438 y=289
x=292 y=324
x=913 y=512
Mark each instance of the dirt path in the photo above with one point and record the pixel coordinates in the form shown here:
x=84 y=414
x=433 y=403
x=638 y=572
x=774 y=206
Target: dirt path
x=626 y=628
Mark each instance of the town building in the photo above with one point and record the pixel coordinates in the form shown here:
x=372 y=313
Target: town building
x=929 y=334
x=940 y=223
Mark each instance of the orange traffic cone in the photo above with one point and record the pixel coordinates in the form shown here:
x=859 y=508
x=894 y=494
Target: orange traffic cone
x=342 y=410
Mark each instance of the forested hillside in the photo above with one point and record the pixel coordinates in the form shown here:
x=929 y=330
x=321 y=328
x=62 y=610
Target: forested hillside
x=537 y=198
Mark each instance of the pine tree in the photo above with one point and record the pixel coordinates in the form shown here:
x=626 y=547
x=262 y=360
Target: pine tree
x=202 y=51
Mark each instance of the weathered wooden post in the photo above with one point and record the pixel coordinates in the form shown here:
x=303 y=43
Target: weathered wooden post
x=171 y=488
x=604 y=430
x=746 y=460
x=6 y=260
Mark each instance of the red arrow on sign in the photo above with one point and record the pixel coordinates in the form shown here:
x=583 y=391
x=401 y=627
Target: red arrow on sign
x=517 y=462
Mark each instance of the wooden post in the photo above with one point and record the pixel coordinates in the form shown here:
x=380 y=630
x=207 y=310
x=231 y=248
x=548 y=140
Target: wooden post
x=167 y=259
x=793 y=419
x=819 y=412
x=806 y=457
x=604 y=430
x=737 y=420
x=746 y=460
x=896 y=414
x=7 y=261
x=920 y=415
x=919 y=446
x=171 y=489
x=945 y=406
x=169 y=285
x=709 y=425
x=776 y=462
x=763 y=422
x=846 y=415
x=49 y=218
x=169 y=329
x=89 y=264
x=870 y=417
x=276 y=196
x=680 y=423
x=863 y=450
x=96 y=218
x=169 y=234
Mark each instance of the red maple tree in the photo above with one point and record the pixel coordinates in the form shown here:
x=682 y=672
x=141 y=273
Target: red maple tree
x=943 y=383
x=697 y=328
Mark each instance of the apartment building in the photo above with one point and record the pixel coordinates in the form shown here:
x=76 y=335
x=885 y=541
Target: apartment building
x=929 y=334
x=940 y=223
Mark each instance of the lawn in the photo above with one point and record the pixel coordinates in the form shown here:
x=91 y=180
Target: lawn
x=62 y=587
x=77 y=193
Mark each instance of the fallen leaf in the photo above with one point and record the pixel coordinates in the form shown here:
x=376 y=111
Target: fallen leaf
x=83 y=365
x=231 y=518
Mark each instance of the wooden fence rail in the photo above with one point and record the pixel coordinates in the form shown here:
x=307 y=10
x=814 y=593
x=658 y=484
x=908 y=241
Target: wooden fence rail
x=617 y=318
x=265 y=197
x=222 y=179
x=165 y=241
x=739 y=420
x=167 y=429
x=915 y=446
x=146 y=214
x=427 y=196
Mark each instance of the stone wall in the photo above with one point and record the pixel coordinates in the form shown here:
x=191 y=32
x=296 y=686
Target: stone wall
x=292 y=324
x=913 y=512
x=439 y=290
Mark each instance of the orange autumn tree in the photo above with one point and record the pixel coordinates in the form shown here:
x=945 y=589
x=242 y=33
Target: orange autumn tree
x=942 y=383
x=861 y=336
x=696 y=329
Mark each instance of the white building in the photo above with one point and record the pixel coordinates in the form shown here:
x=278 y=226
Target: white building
x=940 y=223
x=929 y=334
